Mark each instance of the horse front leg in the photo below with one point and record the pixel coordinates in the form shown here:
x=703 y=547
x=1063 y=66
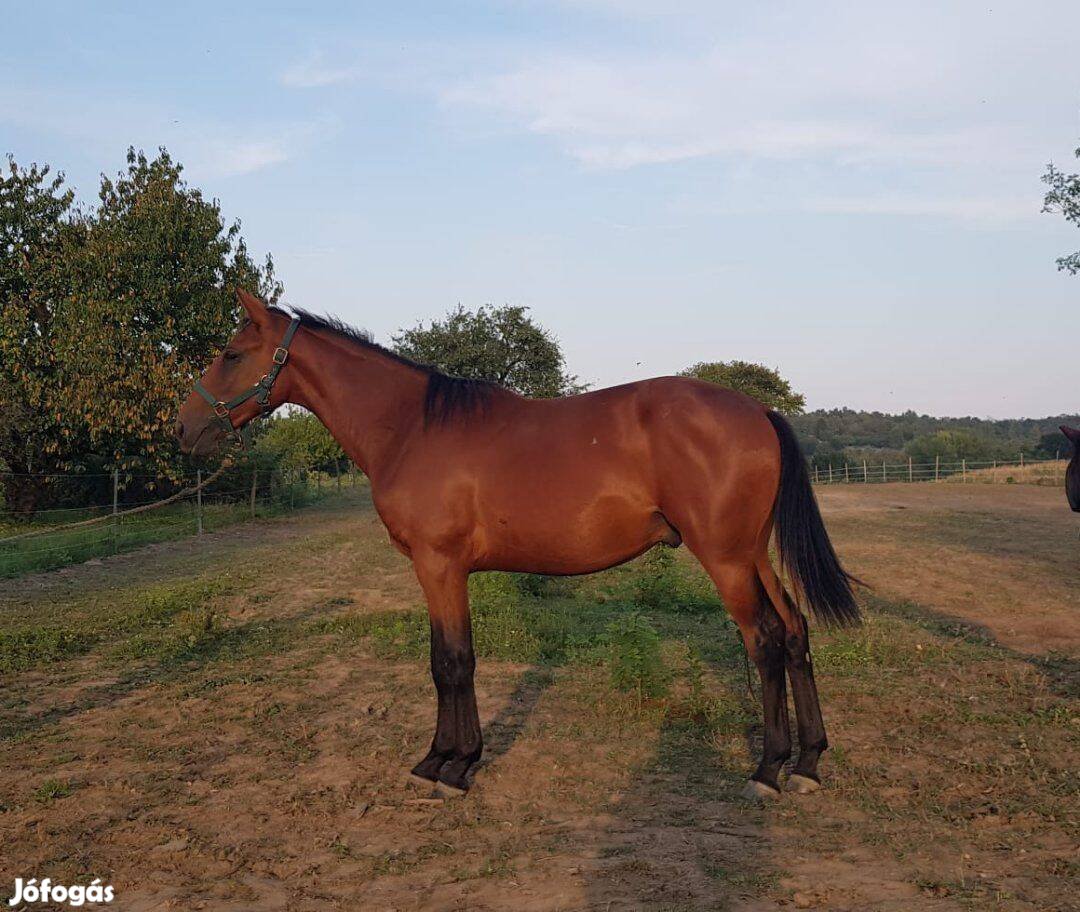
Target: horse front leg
x=458 y=742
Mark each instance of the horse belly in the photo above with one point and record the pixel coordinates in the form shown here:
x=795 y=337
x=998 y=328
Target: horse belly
x=567 y=533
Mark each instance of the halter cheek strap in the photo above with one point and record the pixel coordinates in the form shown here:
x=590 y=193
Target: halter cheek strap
x=260 y=392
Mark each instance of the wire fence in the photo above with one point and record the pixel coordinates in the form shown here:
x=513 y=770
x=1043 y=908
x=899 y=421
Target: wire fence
x=1022 y=470
x=59 y=536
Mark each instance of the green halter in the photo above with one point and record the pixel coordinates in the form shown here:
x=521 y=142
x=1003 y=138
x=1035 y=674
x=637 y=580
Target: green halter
x=260 y=391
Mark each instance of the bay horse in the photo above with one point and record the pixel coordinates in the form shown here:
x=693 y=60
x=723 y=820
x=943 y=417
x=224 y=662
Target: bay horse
x=469 y=476
x=1072 y=473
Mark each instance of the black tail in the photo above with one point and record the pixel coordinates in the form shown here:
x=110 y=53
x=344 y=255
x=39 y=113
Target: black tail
x=805 y=550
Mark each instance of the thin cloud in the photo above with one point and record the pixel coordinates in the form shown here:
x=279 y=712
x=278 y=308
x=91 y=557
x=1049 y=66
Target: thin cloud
x=208 y=149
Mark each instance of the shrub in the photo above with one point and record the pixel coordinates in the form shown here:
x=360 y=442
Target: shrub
x=661 y=582
x=636 y=663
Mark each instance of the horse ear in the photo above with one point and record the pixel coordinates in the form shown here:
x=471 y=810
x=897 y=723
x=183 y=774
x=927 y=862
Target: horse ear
x=1072 y=433
x=253 y=307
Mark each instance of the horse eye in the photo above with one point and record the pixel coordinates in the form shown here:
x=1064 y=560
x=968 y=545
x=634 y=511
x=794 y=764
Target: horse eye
x=231 y=355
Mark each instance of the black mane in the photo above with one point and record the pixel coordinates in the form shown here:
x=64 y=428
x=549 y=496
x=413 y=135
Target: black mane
x=447 y=397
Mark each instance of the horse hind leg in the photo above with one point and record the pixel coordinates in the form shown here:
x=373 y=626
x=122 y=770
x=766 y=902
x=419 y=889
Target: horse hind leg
x=811 y=727
x=763 y=634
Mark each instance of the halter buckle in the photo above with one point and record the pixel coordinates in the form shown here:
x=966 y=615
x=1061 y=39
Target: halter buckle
x=281 y=355
x=221 y=410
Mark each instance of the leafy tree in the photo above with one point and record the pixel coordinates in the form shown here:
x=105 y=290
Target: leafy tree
x=1053 y=445
x=107 y=317
x=951 y=446
x=834 y=435
x=298 y=440
x=763 y=383
x=37 y=226
x=502 y=344
x=153 y=294
x=1064 y=197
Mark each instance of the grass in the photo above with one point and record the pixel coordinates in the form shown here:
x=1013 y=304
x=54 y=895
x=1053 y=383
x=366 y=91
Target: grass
x=930 y=694
x=945 y=744
x=51 y=790
x=54 y=549
x=1050 y=472
x=137 y=619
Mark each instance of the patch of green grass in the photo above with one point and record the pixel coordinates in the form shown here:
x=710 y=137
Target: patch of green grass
x=509 y=623
x=171 y=618
x=51 y=790
x=22 y=649
x=135 y=618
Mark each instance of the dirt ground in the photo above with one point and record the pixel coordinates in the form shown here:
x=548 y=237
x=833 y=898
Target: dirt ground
x=184 y=724
x=1003 y=556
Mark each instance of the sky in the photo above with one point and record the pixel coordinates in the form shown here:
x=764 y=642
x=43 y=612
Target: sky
x=848 y=191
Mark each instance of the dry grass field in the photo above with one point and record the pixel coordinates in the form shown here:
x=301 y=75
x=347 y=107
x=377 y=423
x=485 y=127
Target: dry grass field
x=225 y=724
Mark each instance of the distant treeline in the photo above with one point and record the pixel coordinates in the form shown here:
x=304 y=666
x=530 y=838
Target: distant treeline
x=839 y=435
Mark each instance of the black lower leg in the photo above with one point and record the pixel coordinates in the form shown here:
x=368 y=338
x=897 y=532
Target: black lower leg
x=800 y=668
x=457 y=743
x=768 y=655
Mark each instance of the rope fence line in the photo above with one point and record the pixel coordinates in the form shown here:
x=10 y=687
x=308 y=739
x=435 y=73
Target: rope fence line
x=192 y=510
x=153 y=505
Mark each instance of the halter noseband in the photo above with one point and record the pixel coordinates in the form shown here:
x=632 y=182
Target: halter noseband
x=260 y=391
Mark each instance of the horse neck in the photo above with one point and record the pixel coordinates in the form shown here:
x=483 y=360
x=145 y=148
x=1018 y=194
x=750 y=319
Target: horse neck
x=368 y=400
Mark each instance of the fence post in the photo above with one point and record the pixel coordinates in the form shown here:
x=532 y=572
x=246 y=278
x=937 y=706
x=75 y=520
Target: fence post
x=115 y=509
x=847 y=472
x=865 y=477
x=198 y=500
x=830 y=471
x=910 y=474
x=884 y=476
x=937 y=467
x=254 y=483
x=815 y=474
x=1021 y=460
x=963 y=470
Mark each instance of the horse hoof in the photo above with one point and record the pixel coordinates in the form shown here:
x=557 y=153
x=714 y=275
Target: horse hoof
x=443 y=790
x=421 y=781
x=428 y=768
x=759 y=791
x=802 y=785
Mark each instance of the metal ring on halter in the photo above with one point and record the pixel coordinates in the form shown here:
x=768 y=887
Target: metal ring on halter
x=260 y=391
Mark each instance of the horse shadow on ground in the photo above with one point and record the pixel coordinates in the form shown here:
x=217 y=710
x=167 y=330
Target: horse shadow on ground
x=683 y=836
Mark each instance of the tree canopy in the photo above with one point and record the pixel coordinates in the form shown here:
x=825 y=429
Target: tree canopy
x=951 y=446
x=1064 y=197
x=501 y=344
x=299 y=440
x=839 y=435
x=763 y=383
x=107 y=315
